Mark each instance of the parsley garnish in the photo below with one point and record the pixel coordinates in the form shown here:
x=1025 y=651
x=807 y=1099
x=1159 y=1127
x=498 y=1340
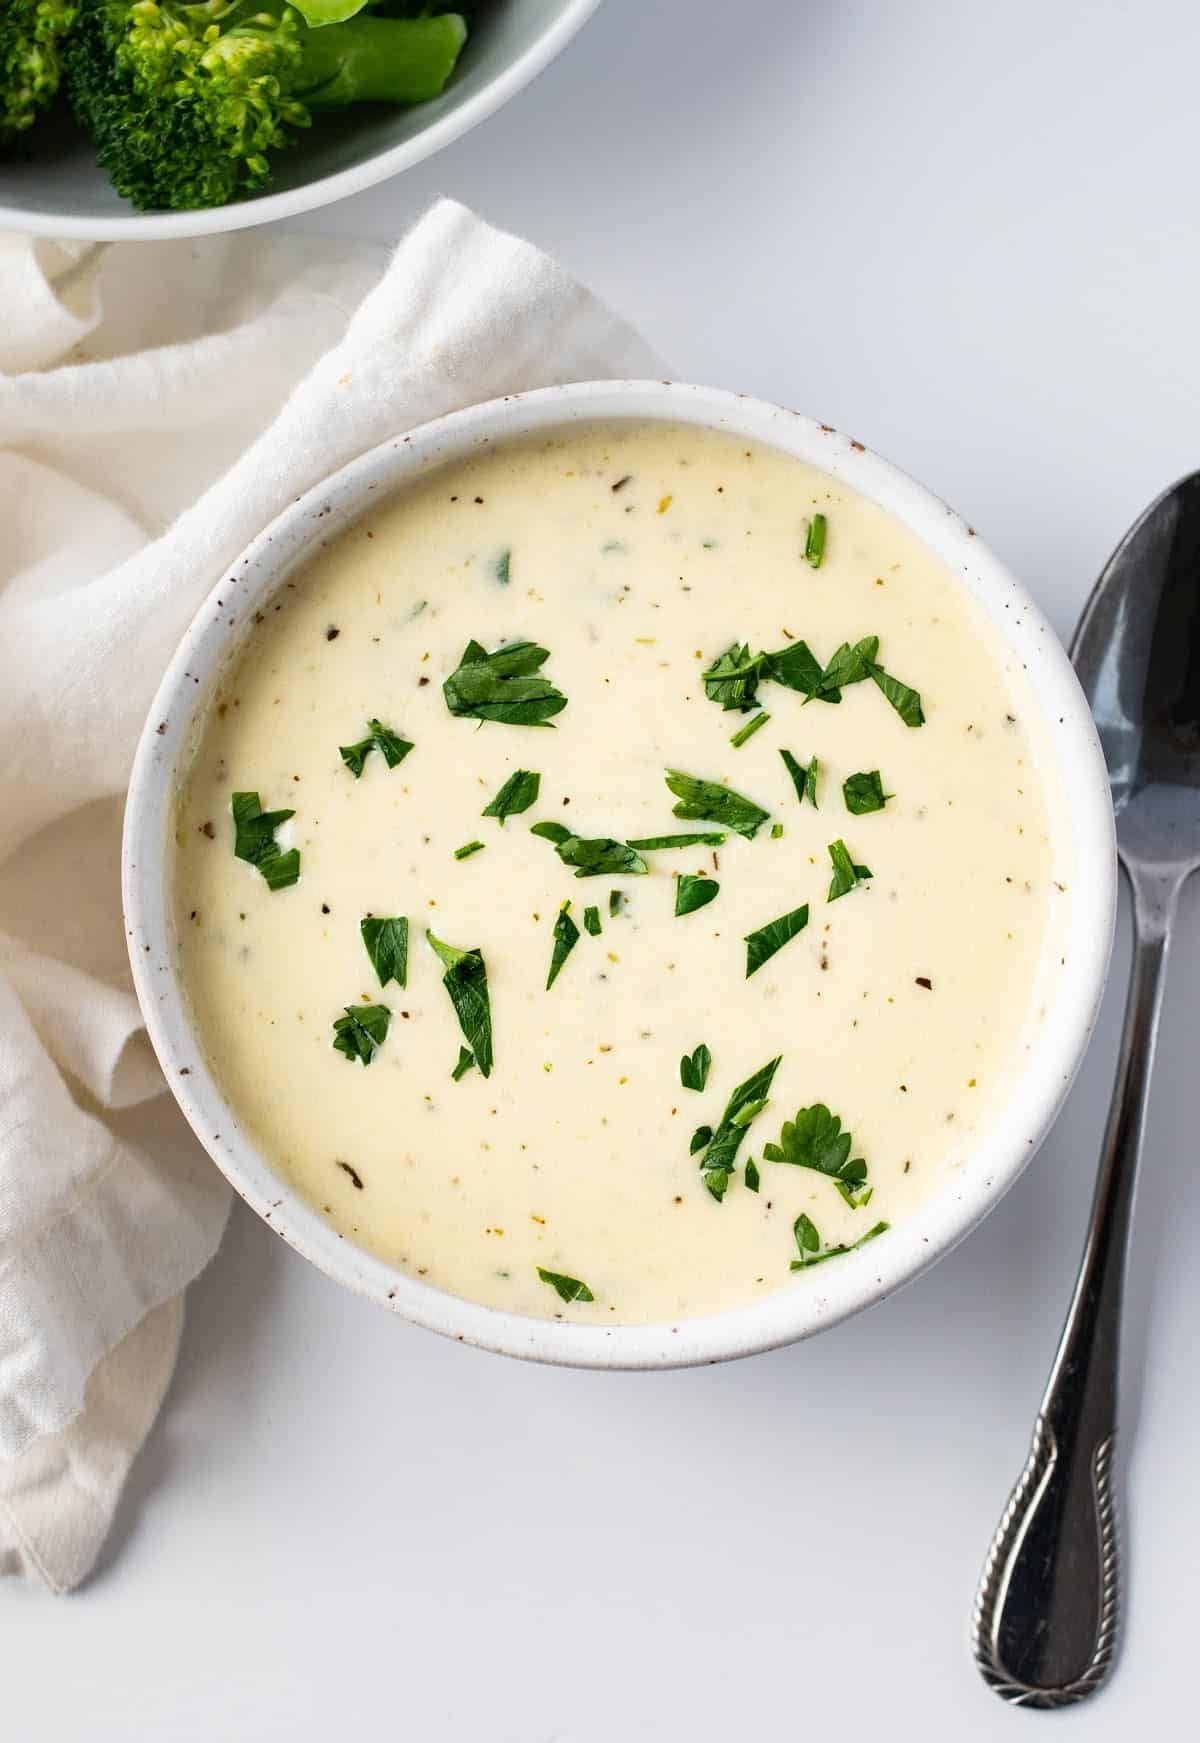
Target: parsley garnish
x=805 y=1231
x=386 y=944
x=566 y=937
x=751 y=727
x=465 y=980
x=361 y=1032
x=809 y=1243
x=467 y=849
x=693 y=1068
x=906 y=702
x=849 y=665
x=815 y=1139
x=846 y=875
x=591 y=921
x=591 y=859
x=504 y=685
x=615 y=898
x=762 y=945
x=747 y=1100
x=814 y=544
x=389 y=744
x=254 y=841
x=752 y=1175
x=503 y=568
x=518 y=793
x=864 y=793
x=732 y=679
x=653 y=843
x=700 y=1137
x=568 y=1288
x=797 y=667
x=716 y=804
x=466 y=1060
x=694 y=892
x=804 y=777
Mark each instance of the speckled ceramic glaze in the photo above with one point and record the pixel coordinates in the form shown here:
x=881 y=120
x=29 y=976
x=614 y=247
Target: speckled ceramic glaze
x=1040 y=1080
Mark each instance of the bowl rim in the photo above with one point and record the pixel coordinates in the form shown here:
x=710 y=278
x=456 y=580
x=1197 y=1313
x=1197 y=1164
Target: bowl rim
x=132 y=226
x=860 y=1279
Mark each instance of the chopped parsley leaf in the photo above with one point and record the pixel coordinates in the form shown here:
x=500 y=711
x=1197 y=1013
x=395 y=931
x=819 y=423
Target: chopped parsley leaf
x=864 y=793
x=518 y=793
x=797 y=667
x=849 y=665
x=809 y=1243
x=567 y=1288
x=762 y=945
x=815 y=1139
x=814 y=544
x=566 y=937
x=591 y=859
x=905 y=701
x=805 y=1232
x=254 y=841
x=361 y=1031
x=615 y=898
x=716 y=804
x=465 y=980
x=694 y=892
x=700 y=1137
x=752 y=1175
x=732 y=679
x=386 y=943
x=389 y=744
x=694 y=1067
x=591 y=922
x=748 y=1100
x=804 y=777
x=655 y=843
x=505 y=685
x=846 y=875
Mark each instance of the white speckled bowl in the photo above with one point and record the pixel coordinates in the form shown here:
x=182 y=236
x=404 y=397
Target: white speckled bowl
x=62 y=191
x=821 y=1298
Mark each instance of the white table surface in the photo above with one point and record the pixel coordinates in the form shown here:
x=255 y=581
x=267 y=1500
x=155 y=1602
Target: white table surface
x=970 y=235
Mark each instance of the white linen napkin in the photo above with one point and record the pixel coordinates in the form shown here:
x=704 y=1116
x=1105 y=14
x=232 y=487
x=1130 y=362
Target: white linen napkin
x=159 y=404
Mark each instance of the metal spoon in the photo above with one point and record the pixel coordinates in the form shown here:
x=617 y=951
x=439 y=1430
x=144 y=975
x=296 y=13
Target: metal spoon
x=1046 y=1614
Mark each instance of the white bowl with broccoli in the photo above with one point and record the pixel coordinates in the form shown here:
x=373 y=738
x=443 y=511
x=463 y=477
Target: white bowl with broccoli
x=152 y=118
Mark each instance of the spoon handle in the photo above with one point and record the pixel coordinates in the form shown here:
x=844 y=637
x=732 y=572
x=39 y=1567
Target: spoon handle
x=1044 y=1630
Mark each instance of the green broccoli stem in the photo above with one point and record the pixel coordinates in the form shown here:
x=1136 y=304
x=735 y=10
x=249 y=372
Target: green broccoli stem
x=379 y=60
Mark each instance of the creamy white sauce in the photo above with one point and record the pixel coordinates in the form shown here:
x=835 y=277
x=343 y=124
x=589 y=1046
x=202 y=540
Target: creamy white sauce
x=574 y=1154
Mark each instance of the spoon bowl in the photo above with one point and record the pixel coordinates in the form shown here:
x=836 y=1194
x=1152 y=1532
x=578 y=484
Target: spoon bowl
x=1137 y=654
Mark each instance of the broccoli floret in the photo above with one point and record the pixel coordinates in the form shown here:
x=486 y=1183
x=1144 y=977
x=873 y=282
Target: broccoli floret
x=186 y=100
x=31 y=37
